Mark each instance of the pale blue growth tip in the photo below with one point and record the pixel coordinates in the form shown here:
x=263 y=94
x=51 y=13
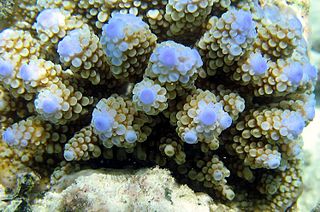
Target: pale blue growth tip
x=235 y=49
x=311 y=70
x=217 y=175
x=296 y=150
x=242 y=28
x=121 y=25
x=24 y=143
x=50 y=105
x=8 y=137
x=310 y=107
x=273 y=162
x=296 y=24
x=69 y=46
x=296 y=127
x=102 y=122
x=294 y=73
x=294 y=123
x=272 y=13
x=310 y=111
x=208 y=116
x=131 y=136
x=6 y=68
x=49 y=18
x=244 y=21
x=167 y=56
x=27 y=72
x=147 y=96
x=114 y=29
x=225 y=121
x=197 y=57
x=258 y=64
x=69 y=155
x=190 y=137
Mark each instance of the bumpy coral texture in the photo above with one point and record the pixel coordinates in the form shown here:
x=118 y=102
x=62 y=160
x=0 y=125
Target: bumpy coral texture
x=217 y=91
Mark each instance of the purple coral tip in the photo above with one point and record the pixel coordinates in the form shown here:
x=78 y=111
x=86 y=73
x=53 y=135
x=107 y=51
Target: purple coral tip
x=294 y=72
x=69 y=46
x=225 y=121
x=131 y=136
x=49 y=105
x=208 y=116
x=6 y=68
x=167 y=56
x=102 y=122
x=69 y=155
x=258 y=64
x=147 y=96
x=190 y=137
x=8 y=137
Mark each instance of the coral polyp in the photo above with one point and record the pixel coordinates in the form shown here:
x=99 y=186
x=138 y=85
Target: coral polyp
x=218 y=92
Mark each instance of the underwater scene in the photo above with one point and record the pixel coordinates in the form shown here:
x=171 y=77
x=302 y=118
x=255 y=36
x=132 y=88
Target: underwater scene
x=159 y=105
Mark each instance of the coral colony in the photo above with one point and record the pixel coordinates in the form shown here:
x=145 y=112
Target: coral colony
x=216 y=91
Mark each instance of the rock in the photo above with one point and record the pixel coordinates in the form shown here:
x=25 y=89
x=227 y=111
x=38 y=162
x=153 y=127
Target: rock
x=124 y=190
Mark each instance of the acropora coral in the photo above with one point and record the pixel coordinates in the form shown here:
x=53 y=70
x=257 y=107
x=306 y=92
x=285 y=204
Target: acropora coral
x=217 y=91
